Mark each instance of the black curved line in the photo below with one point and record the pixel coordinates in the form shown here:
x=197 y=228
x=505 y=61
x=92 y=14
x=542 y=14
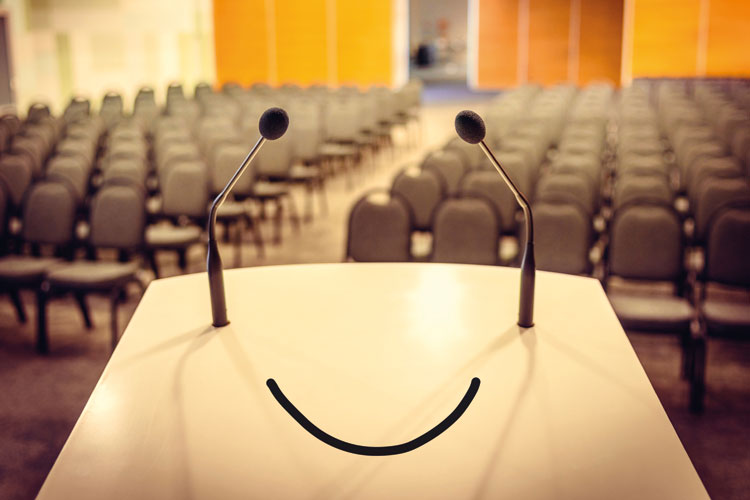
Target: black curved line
x=374 y=450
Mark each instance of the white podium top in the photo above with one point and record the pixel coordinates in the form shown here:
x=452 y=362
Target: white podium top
x=375 y=355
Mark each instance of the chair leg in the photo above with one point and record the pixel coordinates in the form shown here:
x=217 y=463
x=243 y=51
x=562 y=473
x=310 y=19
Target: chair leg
x=238 y=244
x=698 y=379
x=182 y=259
x=257 y=235
x=309 y=190
x=293 y=214
x=278 y=218
x=151 y=255
x=114 y=300
x=42 y=345
x=322 y=196
x=15 y=297
x=81 y=299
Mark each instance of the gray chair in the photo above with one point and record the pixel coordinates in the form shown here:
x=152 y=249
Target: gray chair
x=470 y=155
x=233 y=214
x=569 y=184
x=563 y=237
x=646 y=245
x=117 y=221
x=48 y=216
x=70 y=169
x=491 y=186
x=422 y=190
x=379 y=229
x=726 y=264
x=640 y=187
x=17 y=174
x=448 y=167
x=466 y=230
x=271 y=169
x=712 y=195
x=184 y=201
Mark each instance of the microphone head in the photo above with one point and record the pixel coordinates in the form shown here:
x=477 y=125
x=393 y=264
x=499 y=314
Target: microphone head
x=273 y=123
x=470 y=126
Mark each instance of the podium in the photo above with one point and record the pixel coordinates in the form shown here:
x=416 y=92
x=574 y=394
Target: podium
x=373 y=354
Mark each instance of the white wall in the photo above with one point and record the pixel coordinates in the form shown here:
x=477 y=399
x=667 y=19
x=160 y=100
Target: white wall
x=88 y=47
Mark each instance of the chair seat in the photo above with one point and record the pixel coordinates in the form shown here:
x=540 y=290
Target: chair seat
x=269 y=189
x=721 y=315
x=231 y=210
x=338 y=150
x=652 y=312
x=92 y=275
x=300 y=173
x=21 y=269
x=174 y=237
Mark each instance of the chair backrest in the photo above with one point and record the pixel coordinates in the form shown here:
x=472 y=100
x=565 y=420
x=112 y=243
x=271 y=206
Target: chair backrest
x=33 y=148
x=448 y=167
x=714 y=193
x=129 y=169
x=726 y=167
x=274 y=159
x=17 y=173
x=573 y=185
x=185 y=190
x=117 y=217
x=37 y=112
x=342 y=120
x=48 y=214
x=422 y=190
x=640 y=187
x=562 y=235
x=465 y=230
x=380 y=227
x=491 y=186
x=646 y=242
x=227 y=160
x=70 y=169
x=174 y=153
x=471 y=154
x=728 y=246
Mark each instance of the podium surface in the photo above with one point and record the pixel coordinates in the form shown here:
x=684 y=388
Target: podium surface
x=375 y=355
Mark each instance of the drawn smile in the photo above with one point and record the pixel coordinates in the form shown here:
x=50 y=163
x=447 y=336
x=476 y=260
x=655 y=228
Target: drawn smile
x=374 y=450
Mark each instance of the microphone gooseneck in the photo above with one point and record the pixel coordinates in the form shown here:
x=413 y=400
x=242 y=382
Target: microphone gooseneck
x=272 y=125
x=470 y=127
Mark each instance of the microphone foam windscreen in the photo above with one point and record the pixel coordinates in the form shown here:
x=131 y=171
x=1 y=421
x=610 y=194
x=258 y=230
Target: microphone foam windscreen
x=470 y=126
x=273 y=123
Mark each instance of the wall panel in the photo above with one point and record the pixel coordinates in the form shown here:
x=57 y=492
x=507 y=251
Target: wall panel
x=549 y=24
x=301 y=41
x=728 y=52
x=665 y=38
x=241 y=41
x=364 y=35
x=600 y=41
x=497 y=59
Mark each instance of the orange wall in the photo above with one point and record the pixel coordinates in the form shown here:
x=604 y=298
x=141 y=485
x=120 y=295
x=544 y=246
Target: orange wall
x=595 y=54
x=287 y=41
x=301 y=41
x=549 y=22
x=241 y=41
x=498 y=44
x=363 y=41
x=665 y=37
x=600 y=41
x=728 y=50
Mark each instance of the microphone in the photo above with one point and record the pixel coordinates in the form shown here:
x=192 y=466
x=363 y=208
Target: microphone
x=272 y=125
x=470 y=127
